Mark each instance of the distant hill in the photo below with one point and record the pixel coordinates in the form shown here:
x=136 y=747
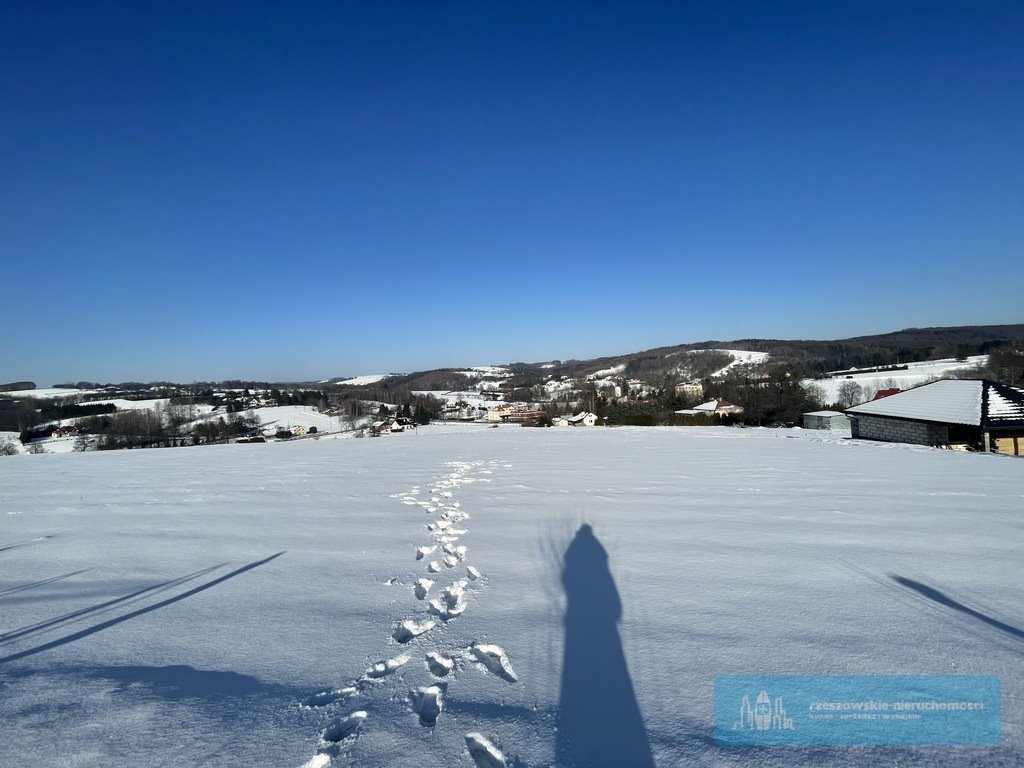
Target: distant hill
x=17 y=386
x=800 y=357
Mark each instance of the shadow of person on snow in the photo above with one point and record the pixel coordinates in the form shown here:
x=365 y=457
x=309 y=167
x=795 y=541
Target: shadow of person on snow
x=599 y=720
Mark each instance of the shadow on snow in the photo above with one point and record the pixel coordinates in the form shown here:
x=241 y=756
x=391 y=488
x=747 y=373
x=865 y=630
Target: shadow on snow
x=599 y=720
x=119 y=602
x=943 y=599
x=41 y=582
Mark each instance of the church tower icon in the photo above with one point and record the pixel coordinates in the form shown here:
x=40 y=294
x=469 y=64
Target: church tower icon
x=764 y=715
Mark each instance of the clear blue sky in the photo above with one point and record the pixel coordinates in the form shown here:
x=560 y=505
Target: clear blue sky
x=203 y=190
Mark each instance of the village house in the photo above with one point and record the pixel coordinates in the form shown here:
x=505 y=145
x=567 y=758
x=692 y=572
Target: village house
x=978 y=414
x=689 y=389
x=461 y=411
x=583 y=419
x=520 y=416
x=716 y=407
x=500 y=411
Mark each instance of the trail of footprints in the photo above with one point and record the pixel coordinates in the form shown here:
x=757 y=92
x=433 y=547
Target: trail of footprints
x=444 y=589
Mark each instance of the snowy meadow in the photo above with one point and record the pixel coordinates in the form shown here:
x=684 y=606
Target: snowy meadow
x=486 y=596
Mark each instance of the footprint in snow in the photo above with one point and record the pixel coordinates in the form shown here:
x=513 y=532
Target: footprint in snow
x=428 y=702
x=423 y=587
x=473 y=573
x=409 y=629
x=422 y=552
x=452 y=601
x=483 y=752
x=494 y=659
x=330 y=696
x=433 y=566
x=458 y=552
x=342 y=727
x=320 y=760
x=439 y=665
x=386 y=667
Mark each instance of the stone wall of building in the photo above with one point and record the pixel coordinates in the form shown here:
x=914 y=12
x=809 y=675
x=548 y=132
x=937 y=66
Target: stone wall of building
x=900 y=431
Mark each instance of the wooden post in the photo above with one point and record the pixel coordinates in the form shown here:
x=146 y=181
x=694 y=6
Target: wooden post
x=986 y=442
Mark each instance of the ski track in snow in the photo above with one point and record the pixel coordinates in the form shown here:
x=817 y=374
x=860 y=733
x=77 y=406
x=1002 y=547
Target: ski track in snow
x=445 y=603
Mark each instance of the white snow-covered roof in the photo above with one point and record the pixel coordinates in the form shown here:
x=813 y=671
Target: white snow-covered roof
x=825 y=413
x=951 y=401
x=718 y=405
x=580 y=417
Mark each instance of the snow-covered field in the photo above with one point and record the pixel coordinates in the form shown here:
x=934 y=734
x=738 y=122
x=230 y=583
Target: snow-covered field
x=132 y=405
x=12 y=438
x=471 y=397
x=47 y=393
x=740 y=358
x=361 y=381
x=499 y=371
x=228 y=605
x=915 y=374
x=286 y=416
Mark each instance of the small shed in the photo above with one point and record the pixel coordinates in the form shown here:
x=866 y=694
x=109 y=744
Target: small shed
x=826 y=420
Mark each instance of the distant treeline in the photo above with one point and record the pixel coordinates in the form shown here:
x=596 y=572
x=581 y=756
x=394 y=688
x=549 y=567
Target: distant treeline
x=779 y=399
x=25 y=415
x=14 y=386
x=152 y=429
